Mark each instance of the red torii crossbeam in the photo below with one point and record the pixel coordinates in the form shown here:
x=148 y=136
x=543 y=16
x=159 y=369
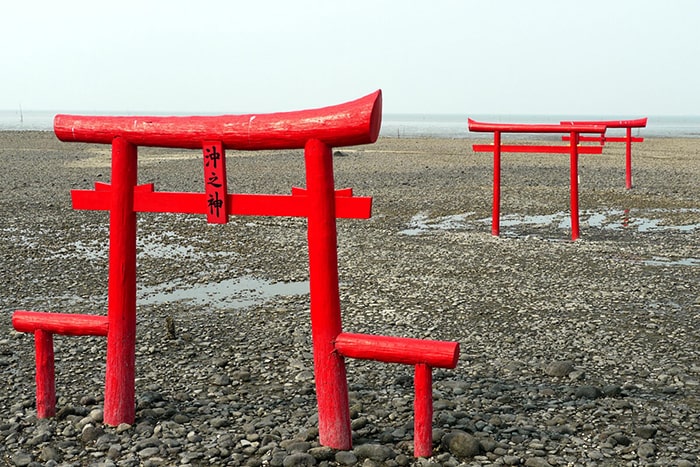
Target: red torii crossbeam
x=573 y=149
x=628 y=138
x=316 y=131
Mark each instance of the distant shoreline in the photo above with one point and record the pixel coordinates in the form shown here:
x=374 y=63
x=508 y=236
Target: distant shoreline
x=451 y=126
x=468 y=137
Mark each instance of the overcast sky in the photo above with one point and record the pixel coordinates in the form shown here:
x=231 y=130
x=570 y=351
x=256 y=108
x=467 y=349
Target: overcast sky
x=594 y=57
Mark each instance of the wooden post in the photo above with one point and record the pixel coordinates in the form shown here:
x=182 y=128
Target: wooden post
x=496 y=214
x=628 y=159
x=423 y=412
x=45 y=382
x=329 y=367
x=121 y=299
x=574 y=184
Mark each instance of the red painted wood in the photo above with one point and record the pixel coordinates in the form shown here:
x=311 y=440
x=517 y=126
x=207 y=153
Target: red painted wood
x=537 y=148
x=45 y=374
x=605 y=139
x=405 y=350
x=215 y=182
x=496 y=209
x=331 y=383
x=532 y=127
x=573 y=190
x=623 y=139
x=632 y=123
x=296 y=205
x=351 y=123
x=628 y=158
x=120 y=404
x=423 y=411
x=60 y=323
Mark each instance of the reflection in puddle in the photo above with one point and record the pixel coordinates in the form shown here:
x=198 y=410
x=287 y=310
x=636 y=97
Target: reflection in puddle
x=232 y=293
x=560 y=218
x=656 y=220
x=622 y=219
x=420 y=223
x=662 y=261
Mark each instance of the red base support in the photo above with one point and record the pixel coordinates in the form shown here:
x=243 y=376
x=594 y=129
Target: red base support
x=45 y=375
x=423 y=412
x=44 y=326
x=424 y=354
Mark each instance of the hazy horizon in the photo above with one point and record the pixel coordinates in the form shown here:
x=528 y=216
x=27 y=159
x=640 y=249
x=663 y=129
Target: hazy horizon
x=544 y=57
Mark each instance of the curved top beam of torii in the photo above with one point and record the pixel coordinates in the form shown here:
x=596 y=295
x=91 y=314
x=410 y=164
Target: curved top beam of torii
x=534 y=127
x=351 y=123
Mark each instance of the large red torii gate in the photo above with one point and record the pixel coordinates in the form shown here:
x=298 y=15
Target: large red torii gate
x=316 y=131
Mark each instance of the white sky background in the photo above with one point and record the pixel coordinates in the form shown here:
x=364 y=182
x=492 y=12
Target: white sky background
x=595 y=57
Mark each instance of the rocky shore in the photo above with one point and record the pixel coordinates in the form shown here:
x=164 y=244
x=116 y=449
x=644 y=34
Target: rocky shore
x=579 y=353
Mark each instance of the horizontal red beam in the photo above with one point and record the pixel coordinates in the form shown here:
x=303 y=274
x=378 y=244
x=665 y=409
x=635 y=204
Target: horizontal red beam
x=295 y=205
x=60 y=323
x=605 y=139
x=533 y=127
x=622 y=139
x=535 y=148
x=636 y=123
x=351 y=123
x=408 y=351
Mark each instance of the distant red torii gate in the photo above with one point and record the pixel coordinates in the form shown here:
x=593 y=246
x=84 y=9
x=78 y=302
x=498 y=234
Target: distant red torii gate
x=316 y=131
x=574 y=132
x=628 y=139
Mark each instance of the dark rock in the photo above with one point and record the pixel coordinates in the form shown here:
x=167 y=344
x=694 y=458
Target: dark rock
x=377 y=452
x=21 y=459
x=646 y=450
x=646 y=431
x=587 y=392
x=322 y=453
x=612 y=390
x=90 y=433
x=559 y=369
x=345 y=458
x=461 y=444
x=299 y=459
x=537 y=462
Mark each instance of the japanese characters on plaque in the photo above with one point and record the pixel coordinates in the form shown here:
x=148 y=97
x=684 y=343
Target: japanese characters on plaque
x=215 y=182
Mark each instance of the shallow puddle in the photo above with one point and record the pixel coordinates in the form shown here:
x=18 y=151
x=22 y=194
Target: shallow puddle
x=239 y=292
x=662 y=261
x=421 y=223
x=647 y=220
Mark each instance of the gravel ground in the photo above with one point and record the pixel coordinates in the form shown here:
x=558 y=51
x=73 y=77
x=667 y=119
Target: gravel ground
x=573 y=353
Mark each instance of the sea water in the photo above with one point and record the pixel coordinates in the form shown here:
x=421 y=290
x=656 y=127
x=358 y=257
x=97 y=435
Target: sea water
x=426 y=125
x=455 y=125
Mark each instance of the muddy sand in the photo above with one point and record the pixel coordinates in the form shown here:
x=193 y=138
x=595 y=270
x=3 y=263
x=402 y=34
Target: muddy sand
x=573 y=353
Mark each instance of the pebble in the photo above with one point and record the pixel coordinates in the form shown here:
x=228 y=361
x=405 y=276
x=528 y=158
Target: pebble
x=462 y=445
x=560 y=368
